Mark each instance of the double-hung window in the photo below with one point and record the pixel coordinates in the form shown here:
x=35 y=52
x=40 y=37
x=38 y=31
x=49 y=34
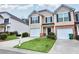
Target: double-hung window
x=34 y=19
x=66 y=17
x=48 y=19
x=62 y=17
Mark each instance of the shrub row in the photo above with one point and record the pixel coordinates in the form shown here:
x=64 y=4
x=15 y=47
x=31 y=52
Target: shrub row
x=3 y=35
x=10 y=33
x=25 y=34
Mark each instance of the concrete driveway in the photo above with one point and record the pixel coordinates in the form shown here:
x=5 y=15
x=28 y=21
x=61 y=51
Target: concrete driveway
x=65 y=47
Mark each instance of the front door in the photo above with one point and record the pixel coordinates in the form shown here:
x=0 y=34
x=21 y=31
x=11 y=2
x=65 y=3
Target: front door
x=48 y=30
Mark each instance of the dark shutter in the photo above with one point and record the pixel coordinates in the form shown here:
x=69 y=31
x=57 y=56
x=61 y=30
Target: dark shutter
x=69 y=16
x=46 y=19
x=31 y=20
x=57 y=17
x=38 y=19
x=51 y=18
x=76 y=17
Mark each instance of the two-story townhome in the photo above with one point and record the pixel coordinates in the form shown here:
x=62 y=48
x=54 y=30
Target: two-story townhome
x=61 y=22
x=64 y=17
x=38 y=22
x=10 y=23
x=35 y=23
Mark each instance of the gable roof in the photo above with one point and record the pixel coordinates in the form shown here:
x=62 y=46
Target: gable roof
x=34 y=12
x=63 y=5
x=14 y=17
x=1 y=16
x=45 y=10
x=54 y=9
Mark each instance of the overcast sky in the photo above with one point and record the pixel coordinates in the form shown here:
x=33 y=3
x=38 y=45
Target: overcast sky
x=23 y=10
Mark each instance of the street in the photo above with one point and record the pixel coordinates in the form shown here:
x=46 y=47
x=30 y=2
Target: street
x=2 y=51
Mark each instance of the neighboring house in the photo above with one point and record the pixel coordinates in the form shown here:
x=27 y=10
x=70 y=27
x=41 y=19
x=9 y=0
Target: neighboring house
x=61 y=22
x=77 y=22
x=26 y=21
x=11 y=23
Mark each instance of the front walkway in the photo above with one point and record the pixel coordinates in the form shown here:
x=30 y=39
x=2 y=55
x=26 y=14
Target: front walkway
x=65 y=47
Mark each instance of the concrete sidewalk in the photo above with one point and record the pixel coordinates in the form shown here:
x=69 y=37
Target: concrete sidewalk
x=17 y=51
x=8 y=46
x=12 y=43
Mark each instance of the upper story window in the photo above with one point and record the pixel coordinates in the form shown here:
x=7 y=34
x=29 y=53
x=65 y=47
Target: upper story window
x=6 y=21
x=34 y=19
x=62 y=17
x=48 y=19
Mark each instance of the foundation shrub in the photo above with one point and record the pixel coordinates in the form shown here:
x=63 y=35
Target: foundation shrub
x=51 y=35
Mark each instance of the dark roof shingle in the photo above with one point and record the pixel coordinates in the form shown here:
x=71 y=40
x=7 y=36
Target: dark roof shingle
x=14 y=17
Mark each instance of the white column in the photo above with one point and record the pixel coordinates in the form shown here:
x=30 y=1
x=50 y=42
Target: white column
x=55 y=20
x=54 y=29
x=41 y=27
x=29 y=25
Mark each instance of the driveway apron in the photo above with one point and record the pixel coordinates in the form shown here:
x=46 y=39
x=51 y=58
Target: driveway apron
x=65 y=47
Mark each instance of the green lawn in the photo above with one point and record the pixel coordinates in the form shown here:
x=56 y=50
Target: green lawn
x=11 y=37
x=38 y=44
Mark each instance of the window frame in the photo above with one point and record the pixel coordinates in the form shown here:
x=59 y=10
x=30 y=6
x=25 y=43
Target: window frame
x=63 y=17
x=46 y=19
x=34 y=21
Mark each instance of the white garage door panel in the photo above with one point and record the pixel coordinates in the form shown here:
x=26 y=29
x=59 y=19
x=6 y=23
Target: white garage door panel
x=78 y=29
x=64 y=33
x=35 y=32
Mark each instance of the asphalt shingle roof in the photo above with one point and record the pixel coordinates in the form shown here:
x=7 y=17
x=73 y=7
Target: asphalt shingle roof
x=14 y=17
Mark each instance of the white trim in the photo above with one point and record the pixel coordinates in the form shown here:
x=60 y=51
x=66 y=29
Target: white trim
x=77 y=29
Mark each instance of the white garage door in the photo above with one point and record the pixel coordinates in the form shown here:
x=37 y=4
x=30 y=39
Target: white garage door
x=35 y=32
x=64 y=33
